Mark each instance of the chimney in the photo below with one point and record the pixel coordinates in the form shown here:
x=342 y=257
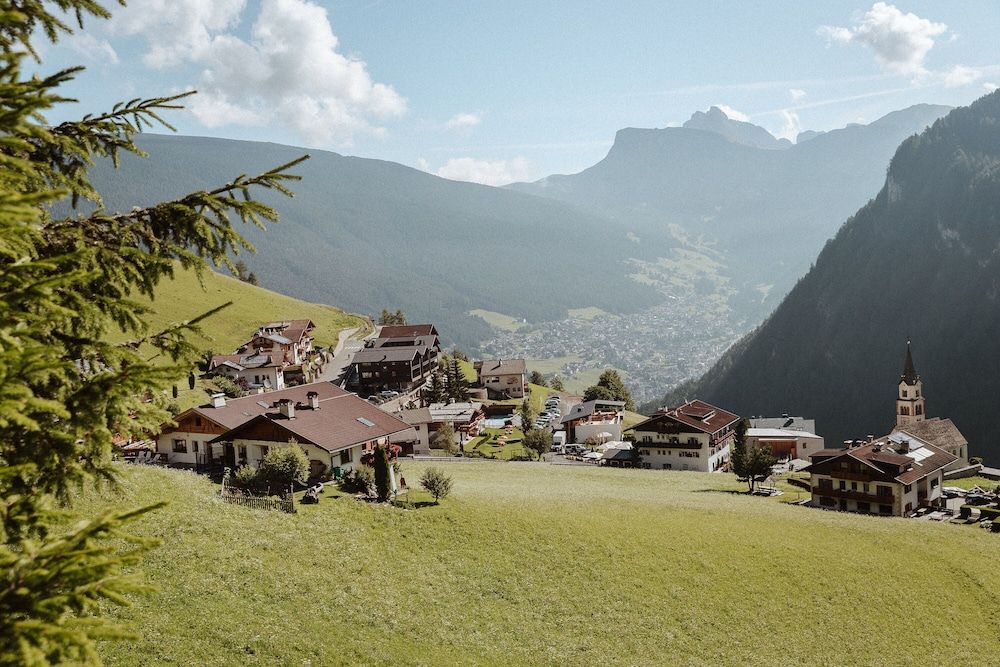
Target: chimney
x=287 y=408
x=313 y=398
x=871 y=437
x=218 y=400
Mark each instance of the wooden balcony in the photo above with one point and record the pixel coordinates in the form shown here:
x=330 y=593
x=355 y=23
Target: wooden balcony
x=847 y=494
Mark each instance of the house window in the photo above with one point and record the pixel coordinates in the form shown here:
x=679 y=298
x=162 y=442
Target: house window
x=843 y=485
x=907 y=488
x=264 y=449
x=885 y=509
x=864 y=507
x=180 y=447
x=934 y=482
x=345 y=456
x=826 y=483
x=904 y=393
x=194 y=447
x=864 y=488
x=909 y=507
x=883 y=491
x=197 y=420
x=854 y=486
x=243 y=452
x=827 y=502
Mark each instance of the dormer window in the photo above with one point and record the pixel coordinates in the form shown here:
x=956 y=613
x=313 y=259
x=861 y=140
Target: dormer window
x=904 y=394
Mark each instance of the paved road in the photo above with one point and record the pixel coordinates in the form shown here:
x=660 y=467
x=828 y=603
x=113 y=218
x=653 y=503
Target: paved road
x=342 y=356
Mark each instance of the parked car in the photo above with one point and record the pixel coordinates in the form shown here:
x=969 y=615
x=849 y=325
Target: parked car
x=388 y=394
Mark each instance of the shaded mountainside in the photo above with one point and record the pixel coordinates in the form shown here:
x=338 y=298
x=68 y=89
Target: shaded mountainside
x=920 y=261
x=763 y=213
x=367 y=234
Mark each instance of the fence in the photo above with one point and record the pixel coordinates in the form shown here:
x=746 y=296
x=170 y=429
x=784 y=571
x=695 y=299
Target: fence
x=237 y=497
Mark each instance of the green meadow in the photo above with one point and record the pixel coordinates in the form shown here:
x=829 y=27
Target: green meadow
x=528 y=563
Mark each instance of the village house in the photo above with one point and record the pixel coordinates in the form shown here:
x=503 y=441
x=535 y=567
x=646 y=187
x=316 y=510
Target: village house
x=334 y=432
x=288 y=342
x=892 y=476
x=598 y=420
x=786 y=443
x=193 y=440
x=256 y=370
x=465 y=418
x=502 y=378
x=784 y=422
x=395 y=363
x=694 y=436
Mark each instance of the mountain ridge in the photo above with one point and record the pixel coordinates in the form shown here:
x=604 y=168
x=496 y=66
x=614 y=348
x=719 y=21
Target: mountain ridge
x=919 y=262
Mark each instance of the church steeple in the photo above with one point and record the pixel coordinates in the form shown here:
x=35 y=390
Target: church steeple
x=909 y=376
x=909 y=400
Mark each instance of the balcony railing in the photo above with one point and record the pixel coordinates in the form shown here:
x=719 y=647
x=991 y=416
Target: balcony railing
x=853 y=495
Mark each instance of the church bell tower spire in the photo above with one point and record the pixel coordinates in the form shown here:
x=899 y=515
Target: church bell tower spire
x=910 y=399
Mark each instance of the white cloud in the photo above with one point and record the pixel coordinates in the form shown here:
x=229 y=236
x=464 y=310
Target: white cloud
x=791 y=127
x=990 y=87
x=797 y=94
x=176 y=31
x=464 y=121
x=900 y=41
x=960 y=75
x=732 y=113
x=93 y=48
x=487 y=172
x=289 y=72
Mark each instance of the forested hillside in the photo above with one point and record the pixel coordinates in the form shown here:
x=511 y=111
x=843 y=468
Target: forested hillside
x=367 y=235
x=920 y=261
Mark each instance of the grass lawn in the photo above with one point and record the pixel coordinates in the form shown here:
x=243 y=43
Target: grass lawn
x=498 y=320
x=588 y=313
x=553 y=365
x=536 y=399
x=488 y=447
x=539 y=564
x=183 y=298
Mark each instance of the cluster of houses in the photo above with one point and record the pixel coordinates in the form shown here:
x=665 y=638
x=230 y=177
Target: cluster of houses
x=891 y=475
x=261 y=363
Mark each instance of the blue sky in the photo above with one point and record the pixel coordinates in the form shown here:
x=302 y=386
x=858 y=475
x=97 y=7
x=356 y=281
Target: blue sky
x=503 y=91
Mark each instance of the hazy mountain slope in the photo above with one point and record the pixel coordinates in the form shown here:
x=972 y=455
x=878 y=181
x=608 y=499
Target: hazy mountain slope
x=920 y=261
x=763 y=213
x=367 y=234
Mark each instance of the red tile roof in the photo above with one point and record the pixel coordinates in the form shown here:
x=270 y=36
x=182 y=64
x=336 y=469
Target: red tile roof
x=407 y=330
x=699 y=415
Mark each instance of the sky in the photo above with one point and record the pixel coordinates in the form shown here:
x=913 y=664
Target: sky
x=504 y=91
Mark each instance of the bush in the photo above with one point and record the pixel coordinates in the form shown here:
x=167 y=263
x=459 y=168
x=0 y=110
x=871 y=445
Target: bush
x=359 y=480
x=436 y=482
x=282 y=467
x=976 y=460
x=245 y=478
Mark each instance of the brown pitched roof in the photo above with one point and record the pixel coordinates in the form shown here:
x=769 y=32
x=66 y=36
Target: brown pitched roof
x=294 y=330
x=502 y=367
x=342 y=420
x=239 y=410
x=890 y=456
x=407 y=330
x=940 y=432
x=250 y=360
x=387 y=354
x=695 y=414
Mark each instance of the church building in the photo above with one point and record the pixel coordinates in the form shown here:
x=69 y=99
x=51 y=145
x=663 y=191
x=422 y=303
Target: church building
x=911 y=417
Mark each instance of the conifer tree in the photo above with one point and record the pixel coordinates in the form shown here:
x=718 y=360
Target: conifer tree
x=381 y=464
x=65 y=285
x=458 y=386
x=437 y=392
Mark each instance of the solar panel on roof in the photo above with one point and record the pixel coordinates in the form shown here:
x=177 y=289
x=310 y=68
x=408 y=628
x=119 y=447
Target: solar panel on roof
x=364 y=421
x=263 y=404
x=920 y=454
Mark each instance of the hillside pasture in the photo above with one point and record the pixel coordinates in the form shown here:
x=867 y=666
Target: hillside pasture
x=528 y=563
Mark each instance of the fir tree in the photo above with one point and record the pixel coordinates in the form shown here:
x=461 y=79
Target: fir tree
x=381 y=465
x=458 y=386
x=436 y=393
x=65 y=286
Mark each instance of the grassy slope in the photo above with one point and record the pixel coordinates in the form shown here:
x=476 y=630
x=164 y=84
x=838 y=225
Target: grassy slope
x=529 y=563
x=183 y=298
